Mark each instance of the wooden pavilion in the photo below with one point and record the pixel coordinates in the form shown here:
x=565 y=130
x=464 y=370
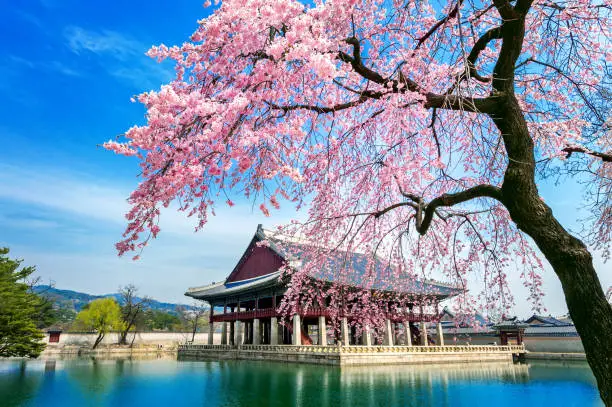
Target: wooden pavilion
x=247 y=304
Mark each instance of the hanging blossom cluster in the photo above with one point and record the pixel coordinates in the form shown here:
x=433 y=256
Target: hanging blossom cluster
x=374 y=117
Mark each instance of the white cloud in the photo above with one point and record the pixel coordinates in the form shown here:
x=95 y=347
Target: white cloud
x=91 y=198
x=103 y=42
x=121 y=55
x=76 y=218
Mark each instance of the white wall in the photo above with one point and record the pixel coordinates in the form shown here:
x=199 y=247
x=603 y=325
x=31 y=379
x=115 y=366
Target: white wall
x=144 y=338
x=554 y=344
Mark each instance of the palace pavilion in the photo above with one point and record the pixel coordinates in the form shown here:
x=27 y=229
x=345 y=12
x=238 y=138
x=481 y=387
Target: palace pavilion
x=246 y=305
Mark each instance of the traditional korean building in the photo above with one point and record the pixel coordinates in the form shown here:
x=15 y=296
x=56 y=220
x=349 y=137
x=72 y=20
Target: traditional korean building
x=246 y=304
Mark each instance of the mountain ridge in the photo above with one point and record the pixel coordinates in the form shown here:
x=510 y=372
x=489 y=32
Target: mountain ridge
x=78 y=299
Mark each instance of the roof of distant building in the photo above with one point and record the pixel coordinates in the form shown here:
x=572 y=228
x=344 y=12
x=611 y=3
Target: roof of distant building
x=546 y=321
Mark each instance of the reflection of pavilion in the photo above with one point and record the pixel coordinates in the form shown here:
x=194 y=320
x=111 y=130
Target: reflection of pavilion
x=252 y=326
x=415 y=385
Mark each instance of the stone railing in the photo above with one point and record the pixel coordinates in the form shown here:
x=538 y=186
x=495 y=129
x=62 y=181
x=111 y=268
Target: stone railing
x=363 y=349
x=190 y=346
x=436 y=349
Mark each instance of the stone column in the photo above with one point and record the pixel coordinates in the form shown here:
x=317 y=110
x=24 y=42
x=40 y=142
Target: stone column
x=366 y=336
x=322 y=331
x=211 y=328
x=344 y=332
x=388 y=339
x=232 y=333
x=256 y=331
x=238 y=333
x=396 y=338
x=440 y=334
x=297 y=330
x=273 y=331
x=224 y=333
x=211 y=333
x=423 y=328
x=408 y=333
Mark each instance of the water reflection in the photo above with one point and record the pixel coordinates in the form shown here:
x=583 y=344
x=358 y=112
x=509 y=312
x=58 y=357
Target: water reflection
x=422 y=384
x=130 y=382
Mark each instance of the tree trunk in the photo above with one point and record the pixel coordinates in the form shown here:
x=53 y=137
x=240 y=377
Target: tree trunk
x=123 y=337
x=98 y=340
x=195 y=328
x=569 y=257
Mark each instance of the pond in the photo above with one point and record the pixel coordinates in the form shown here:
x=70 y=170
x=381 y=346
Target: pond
x=168 y=382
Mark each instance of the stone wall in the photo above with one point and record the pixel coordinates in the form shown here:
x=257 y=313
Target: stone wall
x=554 y=344
x=164 y=339
x=549 y=344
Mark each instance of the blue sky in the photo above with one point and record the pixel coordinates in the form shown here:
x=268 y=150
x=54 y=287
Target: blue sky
x=68 y=69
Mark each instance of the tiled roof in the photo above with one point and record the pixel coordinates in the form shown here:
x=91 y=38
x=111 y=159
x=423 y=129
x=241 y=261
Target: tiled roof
x=365 y=272
x=295 y=252
x=549 y=321
x=221 y=289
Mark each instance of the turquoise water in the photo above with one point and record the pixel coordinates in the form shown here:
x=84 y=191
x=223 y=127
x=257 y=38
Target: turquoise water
x=167 y=382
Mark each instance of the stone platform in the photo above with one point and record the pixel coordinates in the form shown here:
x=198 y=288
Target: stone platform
x=354 y=355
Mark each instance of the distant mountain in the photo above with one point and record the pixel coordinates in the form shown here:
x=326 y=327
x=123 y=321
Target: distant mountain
x=77 y=300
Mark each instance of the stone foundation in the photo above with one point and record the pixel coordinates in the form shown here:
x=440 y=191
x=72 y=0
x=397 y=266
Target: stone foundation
x=353 y=355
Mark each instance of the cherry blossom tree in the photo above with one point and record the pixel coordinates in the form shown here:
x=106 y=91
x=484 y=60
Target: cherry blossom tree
x=413 y=131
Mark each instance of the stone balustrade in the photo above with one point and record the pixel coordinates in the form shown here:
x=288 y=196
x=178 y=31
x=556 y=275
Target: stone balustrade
x=483 y=349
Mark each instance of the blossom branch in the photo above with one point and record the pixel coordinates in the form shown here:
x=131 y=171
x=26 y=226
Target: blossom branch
x=403 y=84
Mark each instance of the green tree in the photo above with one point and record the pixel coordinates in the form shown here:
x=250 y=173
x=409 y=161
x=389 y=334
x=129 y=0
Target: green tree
x=102 y=316
x=19 y=310
x=156 y=320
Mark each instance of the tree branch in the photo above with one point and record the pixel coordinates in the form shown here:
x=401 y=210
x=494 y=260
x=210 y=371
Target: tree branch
x=452 y=14
x=605 y=157
x=432 y=100
x=479 y=46
x=505 y=9
x=425 y=215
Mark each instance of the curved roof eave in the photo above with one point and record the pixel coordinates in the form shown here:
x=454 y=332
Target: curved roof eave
x=235 y=287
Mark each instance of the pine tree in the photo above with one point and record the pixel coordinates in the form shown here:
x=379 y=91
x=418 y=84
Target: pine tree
x=19 y=308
